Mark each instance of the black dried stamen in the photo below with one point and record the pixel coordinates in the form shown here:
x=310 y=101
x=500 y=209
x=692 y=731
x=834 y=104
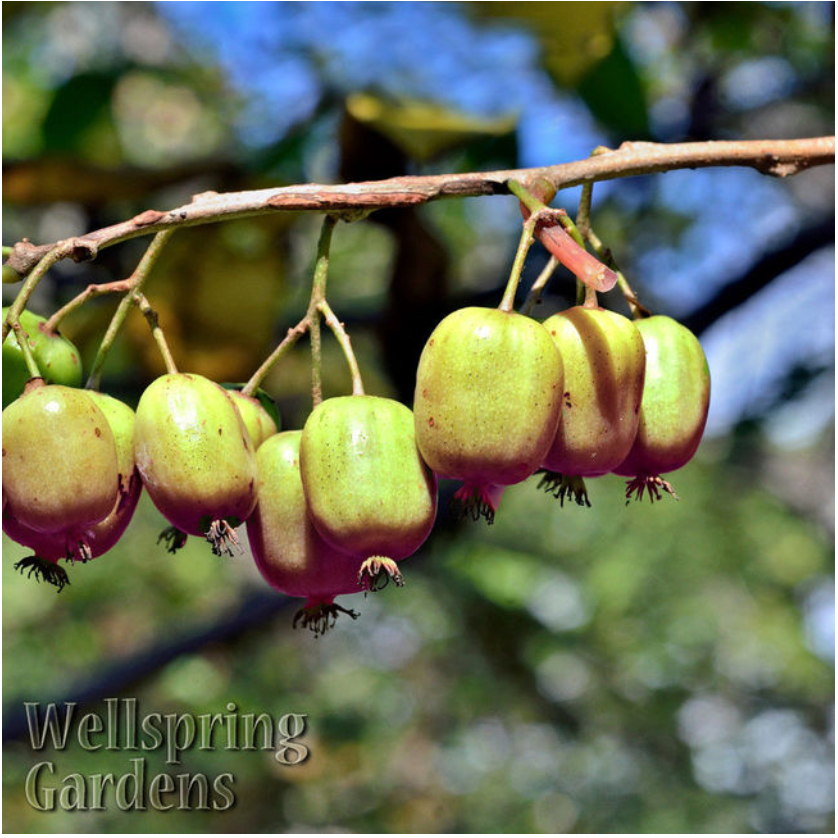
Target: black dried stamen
x=44 y=570
x=320 y=618
x=563 y=486
x=175 y=539
x=474 y=506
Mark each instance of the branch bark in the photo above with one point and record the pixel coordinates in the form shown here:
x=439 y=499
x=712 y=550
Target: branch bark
x=779 y=158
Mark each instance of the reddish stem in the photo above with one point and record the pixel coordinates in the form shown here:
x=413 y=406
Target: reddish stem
x=576 y=259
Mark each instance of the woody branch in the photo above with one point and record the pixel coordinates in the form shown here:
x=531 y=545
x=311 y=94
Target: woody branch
x=779 y=158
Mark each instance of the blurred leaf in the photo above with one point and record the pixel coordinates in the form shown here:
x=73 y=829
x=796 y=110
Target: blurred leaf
x=574 y=36
x=614 y=92
x=424 y=129
x=79 y=105
x=218 y=292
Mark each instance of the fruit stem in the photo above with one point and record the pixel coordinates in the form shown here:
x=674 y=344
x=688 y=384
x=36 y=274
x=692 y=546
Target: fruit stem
x=156 y=332
x=44 y=570
x=131 y=298
x=534 y=297
x=318 y=294
x=345 y=344
x=583 y=223
x=26 y=349
x=524 y=244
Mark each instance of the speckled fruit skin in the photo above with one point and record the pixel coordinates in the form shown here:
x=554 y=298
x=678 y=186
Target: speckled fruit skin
x=104 y=535
x=367 y=489
x=194 y=453
x=60 y=467
x=289 y=552
x=259 y=424
x=487 y=401
x=58 y=360
x=604 y=364
x=676 y=398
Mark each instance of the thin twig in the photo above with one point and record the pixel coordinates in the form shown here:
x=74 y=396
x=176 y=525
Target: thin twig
x=309 y=323
x=780 y=158
x=135 y=281
x=91 y=291
x=291 y=337
x=537 y=289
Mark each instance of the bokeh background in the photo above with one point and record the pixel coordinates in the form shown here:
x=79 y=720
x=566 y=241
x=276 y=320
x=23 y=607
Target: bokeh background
x=663 y=668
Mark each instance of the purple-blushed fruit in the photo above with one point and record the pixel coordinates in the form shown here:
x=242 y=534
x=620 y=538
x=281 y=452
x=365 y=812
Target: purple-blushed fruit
x=487 y=402
x=60 y=464
x=368 y=491
x=57 y=359
x=101 y=537
x=48 y=550
x=289 y=552
x=256 y=419
x=196 y=458
x=604 y=364
x=673 y=413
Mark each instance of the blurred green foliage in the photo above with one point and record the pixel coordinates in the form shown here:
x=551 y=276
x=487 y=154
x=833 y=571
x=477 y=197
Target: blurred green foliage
x=621 y=669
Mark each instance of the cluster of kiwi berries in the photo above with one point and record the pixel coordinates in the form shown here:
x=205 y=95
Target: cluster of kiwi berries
x=332 y=508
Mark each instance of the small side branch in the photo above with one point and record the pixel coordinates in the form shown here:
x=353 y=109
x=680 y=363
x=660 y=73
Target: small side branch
x=118 y=287
x=309 y=323
x=346 y=345
x=134 y=283
x=291 y=337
